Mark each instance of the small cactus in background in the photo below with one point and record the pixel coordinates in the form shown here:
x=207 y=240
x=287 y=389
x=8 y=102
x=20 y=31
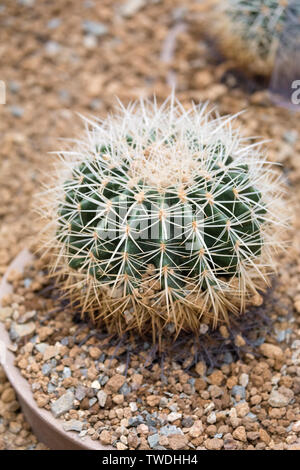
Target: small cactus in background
x=162 y=215
x=249 y=31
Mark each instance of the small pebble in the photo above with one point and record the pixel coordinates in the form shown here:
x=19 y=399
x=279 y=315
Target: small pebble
x=62 y=404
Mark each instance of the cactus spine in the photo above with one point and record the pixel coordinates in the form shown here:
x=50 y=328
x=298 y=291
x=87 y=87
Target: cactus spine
x=162 y=215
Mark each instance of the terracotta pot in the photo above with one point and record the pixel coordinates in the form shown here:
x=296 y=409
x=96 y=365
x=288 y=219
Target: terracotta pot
x=48 y=429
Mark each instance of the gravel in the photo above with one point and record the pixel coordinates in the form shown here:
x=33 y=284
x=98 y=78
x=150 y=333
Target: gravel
x=102 y=397
x=73 y=425
x=85 y=381
x=153 y=440
x=238 y=390
x=62 y=404
x=18 y=331
x=94 y=28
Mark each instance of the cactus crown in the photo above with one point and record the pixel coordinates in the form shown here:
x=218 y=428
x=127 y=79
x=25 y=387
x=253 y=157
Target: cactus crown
x=163 y=215
x=250 y=30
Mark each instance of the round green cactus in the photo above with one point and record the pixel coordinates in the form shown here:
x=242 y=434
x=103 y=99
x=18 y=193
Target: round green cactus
x=164 y=216
x=249 y=31
x=114 y=224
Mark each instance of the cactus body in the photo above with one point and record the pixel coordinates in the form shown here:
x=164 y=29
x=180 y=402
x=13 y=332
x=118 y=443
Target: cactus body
x=164 y=216
x=249 y=31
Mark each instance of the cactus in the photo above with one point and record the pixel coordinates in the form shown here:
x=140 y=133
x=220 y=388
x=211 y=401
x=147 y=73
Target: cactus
x=249 y=31
x=162 y=215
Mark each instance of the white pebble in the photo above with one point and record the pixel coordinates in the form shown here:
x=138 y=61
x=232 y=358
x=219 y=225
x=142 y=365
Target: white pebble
x=211 y=418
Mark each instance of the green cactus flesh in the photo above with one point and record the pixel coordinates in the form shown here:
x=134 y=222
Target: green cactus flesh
x=114 y=227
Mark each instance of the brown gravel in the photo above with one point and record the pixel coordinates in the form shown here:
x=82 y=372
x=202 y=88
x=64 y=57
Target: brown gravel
x=52 y=68
x=114 y=393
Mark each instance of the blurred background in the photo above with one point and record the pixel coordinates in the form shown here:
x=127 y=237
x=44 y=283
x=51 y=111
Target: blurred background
x=63 y=57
